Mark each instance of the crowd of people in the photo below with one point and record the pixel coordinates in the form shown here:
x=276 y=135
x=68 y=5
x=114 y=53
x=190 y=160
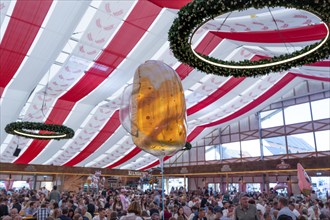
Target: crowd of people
x=133 y=204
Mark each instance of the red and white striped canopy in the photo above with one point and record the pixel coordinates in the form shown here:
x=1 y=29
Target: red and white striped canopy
x=67 y=62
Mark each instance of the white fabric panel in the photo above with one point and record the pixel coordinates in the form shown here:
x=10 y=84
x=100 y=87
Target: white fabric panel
x=4 y=6
x=128 y=163
x=6 y=9
x=109 y=145
x=141 y=162
x=117 y=9
x=116 y=153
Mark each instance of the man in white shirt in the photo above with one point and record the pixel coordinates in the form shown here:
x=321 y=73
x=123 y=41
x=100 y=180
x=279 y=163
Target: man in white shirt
x=294 y=210
x=101 y=215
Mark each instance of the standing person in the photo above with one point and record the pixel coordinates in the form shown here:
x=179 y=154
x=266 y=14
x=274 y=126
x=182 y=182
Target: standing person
x=117 y=205
x=180 y=215
x=85 y=213
x=55 y=195
x=133 y=212
x=45 y=191
x=17 y=205
x=210 y=215
x=123 y=199
x=4 y=210
x=65 y=213
x=13 y=213
x=186 y=209
x=294 y=210
x=284 y=209
x=245 y=211
x=43 y=212
x=204 y=200
x=200 y=215
x=167 y=214
x=32 y=209
x=101 y=215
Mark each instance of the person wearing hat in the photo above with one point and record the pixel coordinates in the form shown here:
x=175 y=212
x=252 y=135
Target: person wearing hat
x=246 y=211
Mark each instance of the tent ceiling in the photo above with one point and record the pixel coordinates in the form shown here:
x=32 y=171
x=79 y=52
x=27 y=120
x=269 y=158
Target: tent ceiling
x=67 y=62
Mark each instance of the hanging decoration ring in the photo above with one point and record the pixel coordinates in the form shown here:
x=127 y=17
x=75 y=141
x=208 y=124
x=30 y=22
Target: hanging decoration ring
x=195 y=14
x=49 y=131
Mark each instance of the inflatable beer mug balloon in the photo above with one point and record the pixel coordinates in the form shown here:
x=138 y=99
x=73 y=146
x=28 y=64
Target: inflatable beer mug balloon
x=154 y=110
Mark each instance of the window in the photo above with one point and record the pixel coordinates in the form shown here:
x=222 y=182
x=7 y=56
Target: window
x=321 y=185
x=322 y=140
x=250 y=148
x=271 y=118
x=233 y=187
x=17 y=185
x=176 y=184
x=253 y=187
x=297 y=113
x=230 y=150
x=212 y=152
x=299 y=143
x=214 y=187
x=321 y=109
x=274 y=146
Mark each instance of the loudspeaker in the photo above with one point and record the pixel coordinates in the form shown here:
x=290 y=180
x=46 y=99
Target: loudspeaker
x=17 y=152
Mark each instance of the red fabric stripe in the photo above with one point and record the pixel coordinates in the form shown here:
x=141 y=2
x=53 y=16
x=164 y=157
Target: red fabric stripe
x=175 y=4
x=325 y=63
x=313 y=77
x=135 y=26
x=223 y=90
x=183 y=70
x=194 y=133
x=131 y=154
x=308 y=33
x=21 y=31
x=110 y=127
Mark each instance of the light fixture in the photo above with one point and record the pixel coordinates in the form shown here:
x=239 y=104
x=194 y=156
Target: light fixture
x=289 y=59
x=195 y=14
x=17 y=151
x=48 y=131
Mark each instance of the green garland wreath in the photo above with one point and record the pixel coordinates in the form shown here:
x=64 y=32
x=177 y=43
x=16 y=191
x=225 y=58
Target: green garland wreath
x=25 y=129
x=196 y=13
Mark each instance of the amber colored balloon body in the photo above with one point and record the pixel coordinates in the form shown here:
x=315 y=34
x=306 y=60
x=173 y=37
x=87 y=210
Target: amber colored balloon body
x=158 y=109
